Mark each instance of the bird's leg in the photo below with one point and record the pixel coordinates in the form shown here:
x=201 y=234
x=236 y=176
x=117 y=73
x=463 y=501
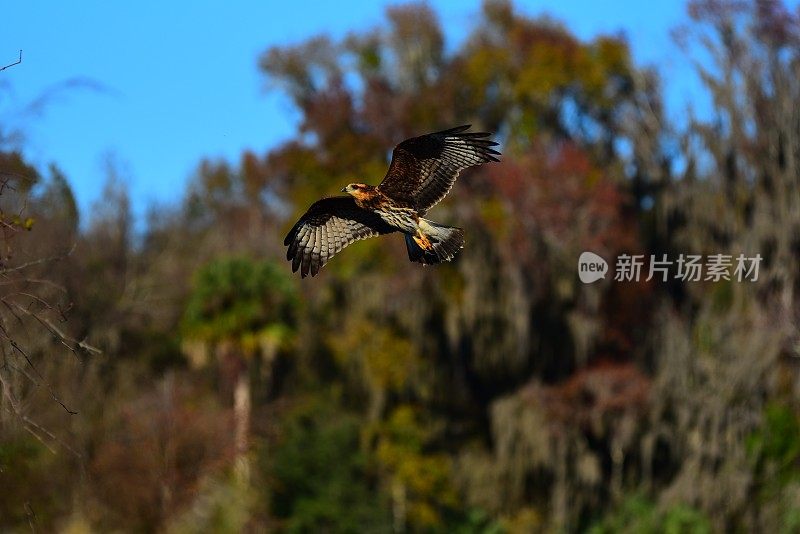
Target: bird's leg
x=422 y=240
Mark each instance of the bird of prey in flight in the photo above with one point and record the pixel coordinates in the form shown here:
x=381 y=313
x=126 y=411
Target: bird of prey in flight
x=422 y=171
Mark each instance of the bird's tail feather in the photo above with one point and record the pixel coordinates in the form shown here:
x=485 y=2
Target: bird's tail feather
x=438 y=243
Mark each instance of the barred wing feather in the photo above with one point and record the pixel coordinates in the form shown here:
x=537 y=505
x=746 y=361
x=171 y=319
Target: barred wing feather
x=325 y=229
x=424 y=168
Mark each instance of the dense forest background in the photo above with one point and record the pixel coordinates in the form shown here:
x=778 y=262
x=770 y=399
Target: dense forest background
x=178 y=377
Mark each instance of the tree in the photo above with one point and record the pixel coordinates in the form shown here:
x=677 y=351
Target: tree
x=239 y=310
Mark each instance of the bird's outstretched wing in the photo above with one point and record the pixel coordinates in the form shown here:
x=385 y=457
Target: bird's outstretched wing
x=424 y=168
x=327 y=227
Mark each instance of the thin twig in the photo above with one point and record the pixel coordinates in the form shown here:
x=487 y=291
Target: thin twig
x=31 y=425
x=22 y=371
x=31 y=516
x=39 y=261
x=50 y=391
x=17 y=62
x=59 y=334
x=50 y=283
x=24 y=354
x=40 y=428
x=46 y=305
x=11 y=310
x=15 y=409
x=38 y=437
x=89 y=348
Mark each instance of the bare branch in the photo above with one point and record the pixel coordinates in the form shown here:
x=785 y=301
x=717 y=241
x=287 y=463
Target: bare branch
x=57 y=333
x=38 y=262
x=33 y=424
x=17 y=62
x=31 y=515
x=34 y=428
x=37 y=436
x=50 y=391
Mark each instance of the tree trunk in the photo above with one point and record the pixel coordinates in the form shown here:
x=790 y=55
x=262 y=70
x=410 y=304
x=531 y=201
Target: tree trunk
x=241 y=417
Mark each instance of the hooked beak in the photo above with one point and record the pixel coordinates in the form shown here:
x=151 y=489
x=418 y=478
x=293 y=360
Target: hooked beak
x=344 y=189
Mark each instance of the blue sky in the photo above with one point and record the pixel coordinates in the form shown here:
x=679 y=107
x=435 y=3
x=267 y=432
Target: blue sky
x=156 y=86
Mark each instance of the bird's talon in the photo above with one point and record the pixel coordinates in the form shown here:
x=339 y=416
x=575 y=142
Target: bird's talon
x=422 y=242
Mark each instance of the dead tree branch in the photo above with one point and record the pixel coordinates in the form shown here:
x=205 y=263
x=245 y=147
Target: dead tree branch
x=17 y=62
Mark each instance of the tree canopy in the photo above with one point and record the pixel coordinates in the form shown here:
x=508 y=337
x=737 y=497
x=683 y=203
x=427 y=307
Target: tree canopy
x=494 y=394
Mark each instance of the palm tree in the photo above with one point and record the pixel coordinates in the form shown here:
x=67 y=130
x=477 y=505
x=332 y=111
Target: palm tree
x=239 y=310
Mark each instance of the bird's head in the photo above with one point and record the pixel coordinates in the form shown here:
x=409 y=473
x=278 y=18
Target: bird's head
x=356 y=190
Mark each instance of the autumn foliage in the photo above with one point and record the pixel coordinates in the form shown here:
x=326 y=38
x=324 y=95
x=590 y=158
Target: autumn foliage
x=494 y=394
